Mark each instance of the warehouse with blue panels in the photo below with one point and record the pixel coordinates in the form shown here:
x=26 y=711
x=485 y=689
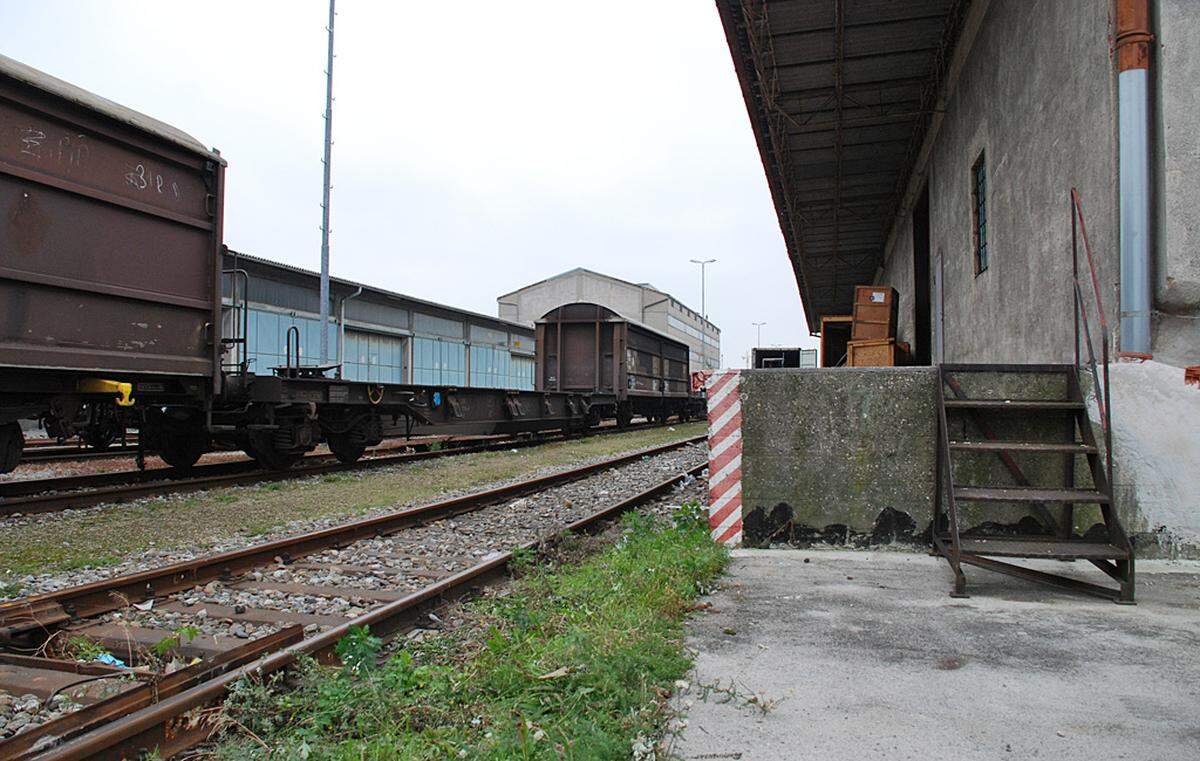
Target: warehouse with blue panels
x=376 y=335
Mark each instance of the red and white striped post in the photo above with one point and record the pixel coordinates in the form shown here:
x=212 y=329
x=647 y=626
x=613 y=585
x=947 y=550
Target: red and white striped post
x=725 y=457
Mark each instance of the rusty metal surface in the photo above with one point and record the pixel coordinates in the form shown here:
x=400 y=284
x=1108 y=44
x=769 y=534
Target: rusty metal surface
x=586 y=347
x=1056 y=537
x=148 y=693
x=109 y=237
x=1133 y=34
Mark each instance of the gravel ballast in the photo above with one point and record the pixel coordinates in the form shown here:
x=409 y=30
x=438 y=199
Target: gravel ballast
x=402 y=562
x=42 y=552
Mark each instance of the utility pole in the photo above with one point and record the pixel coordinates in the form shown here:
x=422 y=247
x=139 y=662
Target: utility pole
x=759 y=326
x=325 y=199
x=703 y=306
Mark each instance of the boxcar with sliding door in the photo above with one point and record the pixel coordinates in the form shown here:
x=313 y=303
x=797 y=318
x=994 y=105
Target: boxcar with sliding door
x=627 y=368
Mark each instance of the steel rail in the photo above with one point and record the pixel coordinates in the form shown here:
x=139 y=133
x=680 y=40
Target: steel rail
x=70 y=454
x=23 y=487
x=73 y=492
x=24 y=618
x=178 y=720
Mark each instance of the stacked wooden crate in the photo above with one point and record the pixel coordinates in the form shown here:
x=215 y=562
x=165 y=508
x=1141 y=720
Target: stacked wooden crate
x=873 y=329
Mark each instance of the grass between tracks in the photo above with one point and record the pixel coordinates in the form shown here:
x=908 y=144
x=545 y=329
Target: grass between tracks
x=574 y=662
x=105 y=536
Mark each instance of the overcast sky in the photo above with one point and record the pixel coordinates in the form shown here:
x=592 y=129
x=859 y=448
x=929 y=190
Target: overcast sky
x=478 y=146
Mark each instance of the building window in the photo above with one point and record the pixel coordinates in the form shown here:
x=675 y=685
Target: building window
x=979 y=213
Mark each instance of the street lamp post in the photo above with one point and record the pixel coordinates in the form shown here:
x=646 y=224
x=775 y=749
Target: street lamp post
x=759 y=326
x=703 y=263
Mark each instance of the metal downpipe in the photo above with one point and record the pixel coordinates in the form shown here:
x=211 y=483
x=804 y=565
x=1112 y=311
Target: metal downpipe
x=1133 y=83
x=341 y=347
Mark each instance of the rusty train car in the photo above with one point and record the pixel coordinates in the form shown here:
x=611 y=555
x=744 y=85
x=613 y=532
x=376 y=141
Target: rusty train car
x=110 y=303
x=625 y=368
x=110 y=232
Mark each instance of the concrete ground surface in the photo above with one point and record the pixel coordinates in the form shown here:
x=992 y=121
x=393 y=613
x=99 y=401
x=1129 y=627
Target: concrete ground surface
x=863 y=655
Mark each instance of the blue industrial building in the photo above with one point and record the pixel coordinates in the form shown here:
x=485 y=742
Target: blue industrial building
x=388 y=337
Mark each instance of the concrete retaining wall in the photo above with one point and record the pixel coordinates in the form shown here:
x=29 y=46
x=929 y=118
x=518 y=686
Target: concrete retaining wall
x=830 y=451
x=847 y=455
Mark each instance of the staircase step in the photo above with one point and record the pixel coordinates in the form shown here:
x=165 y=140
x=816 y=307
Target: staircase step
x=1027 y=494
x=1040 y=548
x=1023 y=446
x=1012 y=404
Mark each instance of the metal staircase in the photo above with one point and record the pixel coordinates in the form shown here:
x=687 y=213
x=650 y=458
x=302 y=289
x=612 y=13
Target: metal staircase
x=1039 y=443
x=1016 y=441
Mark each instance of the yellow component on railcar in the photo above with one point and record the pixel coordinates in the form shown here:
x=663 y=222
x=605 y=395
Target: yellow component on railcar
x=123 y=391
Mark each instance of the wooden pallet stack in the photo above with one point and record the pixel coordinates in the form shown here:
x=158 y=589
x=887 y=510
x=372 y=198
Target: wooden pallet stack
x=873 y=329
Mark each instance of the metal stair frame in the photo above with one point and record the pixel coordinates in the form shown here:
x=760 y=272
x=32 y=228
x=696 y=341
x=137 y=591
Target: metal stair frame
x=946 y=533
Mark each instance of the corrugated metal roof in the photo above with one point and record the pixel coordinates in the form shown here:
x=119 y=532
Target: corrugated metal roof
x=839 y=94
x=55 y=86
x=474 y=317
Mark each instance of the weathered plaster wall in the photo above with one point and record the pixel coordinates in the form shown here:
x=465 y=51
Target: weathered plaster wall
x=1177 y=267
x=1156 y=452
x=898 y=273
x=1037 y=95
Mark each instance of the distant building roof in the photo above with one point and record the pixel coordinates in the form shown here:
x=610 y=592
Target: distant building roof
x=584 y=270
x=351 y=284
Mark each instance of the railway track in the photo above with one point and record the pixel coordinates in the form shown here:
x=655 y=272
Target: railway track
x=255 y=609
x=54 y=452
x=66 y=453
x=44 y=495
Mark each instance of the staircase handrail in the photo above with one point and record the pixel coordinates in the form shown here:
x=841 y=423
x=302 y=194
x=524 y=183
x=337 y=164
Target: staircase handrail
x=1078 y=226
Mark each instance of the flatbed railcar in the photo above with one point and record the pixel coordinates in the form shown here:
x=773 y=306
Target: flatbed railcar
x=111 y=279
x=625 y=368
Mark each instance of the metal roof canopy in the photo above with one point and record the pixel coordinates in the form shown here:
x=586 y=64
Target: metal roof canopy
x=839 y=93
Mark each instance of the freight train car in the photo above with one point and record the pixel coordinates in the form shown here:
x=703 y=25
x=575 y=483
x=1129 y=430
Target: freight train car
x=110 y=286
x=110 y=230
x=625 y=368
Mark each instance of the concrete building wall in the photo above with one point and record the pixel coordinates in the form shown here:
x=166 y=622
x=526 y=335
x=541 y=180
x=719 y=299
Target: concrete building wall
x=1176 y=333
x=899 y=274
x=1036 y=95
x=637 y=302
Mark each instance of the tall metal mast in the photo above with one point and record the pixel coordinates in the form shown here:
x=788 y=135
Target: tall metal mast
x=325 y=200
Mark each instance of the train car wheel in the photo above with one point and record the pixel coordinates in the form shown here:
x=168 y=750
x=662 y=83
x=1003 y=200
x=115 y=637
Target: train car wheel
x=347 y=448
x=262 y=448
x=100 y=437
x=624 y=415
x=12 y=443
x=104 y=427
x=182 y=450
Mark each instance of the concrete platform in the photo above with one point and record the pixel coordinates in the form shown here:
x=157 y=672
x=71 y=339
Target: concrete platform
x=863 y=655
